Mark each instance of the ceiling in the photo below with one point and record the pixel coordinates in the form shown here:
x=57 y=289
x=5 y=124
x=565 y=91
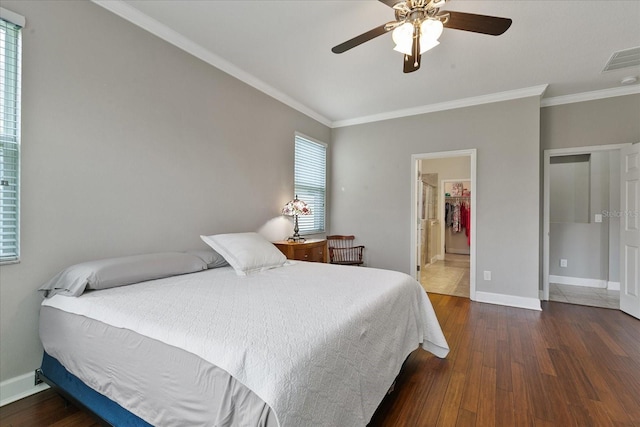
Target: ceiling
x=284 y=49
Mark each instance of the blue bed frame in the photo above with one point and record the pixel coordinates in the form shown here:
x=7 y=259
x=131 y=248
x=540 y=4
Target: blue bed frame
x=74 y=390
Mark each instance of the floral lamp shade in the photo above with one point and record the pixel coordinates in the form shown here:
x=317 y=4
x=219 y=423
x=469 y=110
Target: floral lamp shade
x=294 y=208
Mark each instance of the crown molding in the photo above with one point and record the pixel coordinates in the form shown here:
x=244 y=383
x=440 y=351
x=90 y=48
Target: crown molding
x=160 y=30
x=590 y=96
x=443 y=106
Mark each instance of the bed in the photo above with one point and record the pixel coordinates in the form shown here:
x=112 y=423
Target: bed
x=258 y=343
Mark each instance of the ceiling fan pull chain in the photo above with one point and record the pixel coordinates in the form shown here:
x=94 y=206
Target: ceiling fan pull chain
x=416 y=44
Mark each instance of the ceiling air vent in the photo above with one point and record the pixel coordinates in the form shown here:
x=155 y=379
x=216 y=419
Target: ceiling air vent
x=623 y=59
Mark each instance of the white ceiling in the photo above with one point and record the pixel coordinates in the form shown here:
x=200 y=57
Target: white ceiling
x=284 y=49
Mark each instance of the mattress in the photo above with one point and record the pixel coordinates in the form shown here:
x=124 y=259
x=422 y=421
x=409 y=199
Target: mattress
x=167 y=385
x=305 y=344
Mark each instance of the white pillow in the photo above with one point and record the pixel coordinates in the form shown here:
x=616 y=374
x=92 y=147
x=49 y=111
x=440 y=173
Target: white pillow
x=246 y=252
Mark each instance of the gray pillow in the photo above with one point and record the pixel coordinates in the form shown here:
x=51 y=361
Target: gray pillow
x=112 y=272
x=212 y=258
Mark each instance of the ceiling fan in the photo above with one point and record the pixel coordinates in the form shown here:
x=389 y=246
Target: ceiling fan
x=419 y=24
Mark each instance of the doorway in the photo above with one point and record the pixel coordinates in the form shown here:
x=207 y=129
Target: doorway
x=581 y=263
x=443 y=255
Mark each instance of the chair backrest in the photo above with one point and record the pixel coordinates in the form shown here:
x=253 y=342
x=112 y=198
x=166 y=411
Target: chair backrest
x=342 y=250
x=338 y=241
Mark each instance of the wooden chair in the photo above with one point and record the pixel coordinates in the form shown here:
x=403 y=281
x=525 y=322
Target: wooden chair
x=342 y=251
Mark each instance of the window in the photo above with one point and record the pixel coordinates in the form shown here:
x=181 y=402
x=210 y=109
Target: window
x=9 y=139
x=310 y=182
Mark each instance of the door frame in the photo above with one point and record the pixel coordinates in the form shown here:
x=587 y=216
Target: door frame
x=472 y=154
x=544 y=292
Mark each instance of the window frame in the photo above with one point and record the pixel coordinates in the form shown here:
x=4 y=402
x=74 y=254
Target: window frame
x=303 y=190
x=13 y=137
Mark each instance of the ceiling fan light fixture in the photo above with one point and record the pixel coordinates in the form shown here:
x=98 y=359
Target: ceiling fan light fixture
x=431 y=29
x=419 y=24
x=426 y=44
x=403 y=48
x=430 y=32
x=403 y=38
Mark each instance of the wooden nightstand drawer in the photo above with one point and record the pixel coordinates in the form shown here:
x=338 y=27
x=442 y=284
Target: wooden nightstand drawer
x=311 y=250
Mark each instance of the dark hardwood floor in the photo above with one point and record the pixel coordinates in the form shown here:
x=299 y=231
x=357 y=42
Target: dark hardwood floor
x=46 y=408
x=568 y=365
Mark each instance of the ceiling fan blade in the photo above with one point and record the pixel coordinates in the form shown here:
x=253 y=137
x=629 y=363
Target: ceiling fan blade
x=412 y=62
x=358 y=40
x=484 y=24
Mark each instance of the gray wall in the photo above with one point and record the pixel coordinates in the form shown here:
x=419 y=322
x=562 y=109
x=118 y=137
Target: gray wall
x=371 y=187
x=130 y=145
x=600 y=122
x=585 y=245
x=583 y=124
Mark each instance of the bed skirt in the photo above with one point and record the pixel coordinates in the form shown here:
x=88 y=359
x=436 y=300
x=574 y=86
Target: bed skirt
x=74 y=390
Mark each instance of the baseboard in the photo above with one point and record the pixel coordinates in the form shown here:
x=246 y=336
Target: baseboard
x=19 y=387
x=458 y=251
x=613 y=286
x=508 y=300
x=578 y=281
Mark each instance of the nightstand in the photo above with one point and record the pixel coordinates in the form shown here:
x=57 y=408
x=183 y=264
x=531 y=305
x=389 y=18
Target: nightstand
x=314 y=250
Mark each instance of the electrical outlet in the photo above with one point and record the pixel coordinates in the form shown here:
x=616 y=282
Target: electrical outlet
x=487 y=275
x=563 y=263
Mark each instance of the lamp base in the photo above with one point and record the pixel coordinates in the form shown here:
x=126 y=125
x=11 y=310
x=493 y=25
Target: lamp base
x=296 y=237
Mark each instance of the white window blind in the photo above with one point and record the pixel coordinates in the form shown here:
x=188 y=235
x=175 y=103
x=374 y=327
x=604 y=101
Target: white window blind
x=310 y=182
x=9 y=140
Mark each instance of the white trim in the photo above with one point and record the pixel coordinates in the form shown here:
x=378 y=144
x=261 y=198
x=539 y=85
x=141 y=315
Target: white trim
x=613 y=286
x=458 y=252
x=308 y=138
x=546 y=198
x=590 y=96
x=149 y=24
x=12 y=17
x=472 y=154
x=449 y=105
x=508 y=300
x=578 y=281
x=583 y=150
x=19 y=387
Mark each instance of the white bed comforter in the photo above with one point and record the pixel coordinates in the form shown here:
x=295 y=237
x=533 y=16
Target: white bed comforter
x=320 y=344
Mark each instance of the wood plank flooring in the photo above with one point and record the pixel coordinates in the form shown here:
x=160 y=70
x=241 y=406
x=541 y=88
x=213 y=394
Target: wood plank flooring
x=568 y=365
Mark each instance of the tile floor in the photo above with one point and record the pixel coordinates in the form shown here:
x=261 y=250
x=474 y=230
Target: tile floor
x=583 y=295
x=449 y=276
